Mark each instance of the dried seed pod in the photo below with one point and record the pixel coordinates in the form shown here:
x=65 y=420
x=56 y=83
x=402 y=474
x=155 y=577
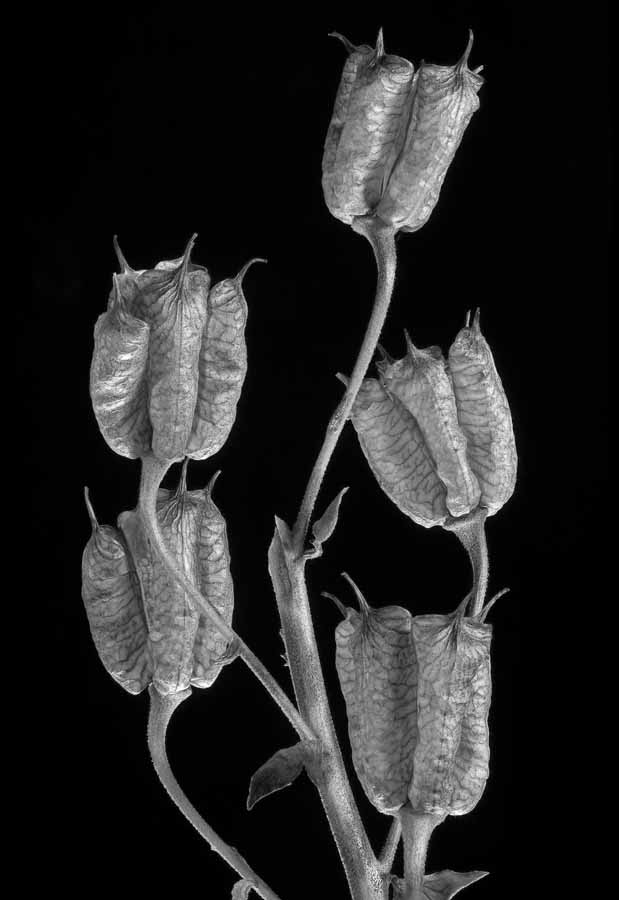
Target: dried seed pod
x=376 y=665
x=366 y=129
x=396 y=449
x=422 y=385
x=169 y=360
x=444 y=99
x=222 y=366
x=453 y=699
x=484 y=416
x=113 y=602
x=187 y=649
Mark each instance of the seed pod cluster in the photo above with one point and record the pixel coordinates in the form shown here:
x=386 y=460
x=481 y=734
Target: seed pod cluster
x=417 y=693
x=438 y=435
x=152 y=633
x=169 y=360
x=394 y=133
x=375 y=662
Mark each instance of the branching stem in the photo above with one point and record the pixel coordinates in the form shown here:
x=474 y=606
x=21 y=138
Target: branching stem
x=153 y=470
x=161 y=709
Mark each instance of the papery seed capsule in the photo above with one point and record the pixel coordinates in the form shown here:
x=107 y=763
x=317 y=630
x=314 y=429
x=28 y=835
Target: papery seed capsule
x=118 y=378
x=222 y=366
x=113 y=602
x=445 y=98
x=453 y=698
x=169 y=360
x=186 y=647
x=376 y=665
x=484 y=416
x=421 y=383
x=366 y=129
x=396 y=450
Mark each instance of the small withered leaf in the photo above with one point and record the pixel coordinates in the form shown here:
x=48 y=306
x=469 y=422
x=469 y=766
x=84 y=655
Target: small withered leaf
x=278 y=772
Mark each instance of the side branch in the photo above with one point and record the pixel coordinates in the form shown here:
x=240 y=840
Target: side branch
x=153 y=470
x=161 y=709
x=382 y=239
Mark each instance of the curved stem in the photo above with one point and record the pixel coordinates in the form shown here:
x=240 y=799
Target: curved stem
x=153 y=470
x=471 y=531
x=161 y=709
x=382 y=240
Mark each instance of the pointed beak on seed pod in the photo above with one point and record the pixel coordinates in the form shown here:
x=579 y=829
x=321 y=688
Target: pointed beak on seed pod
x=438 y=434
x=169 y=360
x=394 y=133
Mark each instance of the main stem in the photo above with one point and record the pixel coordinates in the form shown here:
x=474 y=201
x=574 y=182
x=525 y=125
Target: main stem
x=153 y=470
x=366 y=877
x=382 y=240
x=161 y=709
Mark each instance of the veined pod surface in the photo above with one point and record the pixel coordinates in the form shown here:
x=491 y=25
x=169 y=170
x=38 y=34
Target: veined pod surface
x=366 y=129
x=375 y=660
x=422 y=385
x=444 y=99
x=484 y=416
x=451 y=757
x=113 y=602
x=187 y=649
x=398 y=455
x=169 y=360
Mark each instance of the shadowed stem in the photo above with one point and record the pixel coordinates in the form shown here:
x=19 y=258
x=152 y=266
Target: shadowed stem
x=153 y=470
x=382 y=240
x=387 y=854
x=161 y=709
x=417 y=829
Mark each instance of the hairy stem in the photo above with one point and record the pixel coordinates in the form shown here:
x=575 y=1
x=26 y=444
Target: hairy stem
x=153 y=470
x=365 y=879
x=382 y=240
x=417 y=829
x=387 y=854
x=471 y=531
x=161 y=709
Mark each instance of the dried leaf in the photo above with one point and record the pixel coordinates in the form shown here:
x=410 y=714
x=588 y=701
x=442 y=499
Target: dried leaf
x=241 y=890
x=278 y=772
x=323 y=528
x=445 y=885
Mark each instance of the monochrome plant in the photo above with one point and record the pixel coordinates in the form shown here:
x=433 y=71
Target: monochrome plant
x=167 y=372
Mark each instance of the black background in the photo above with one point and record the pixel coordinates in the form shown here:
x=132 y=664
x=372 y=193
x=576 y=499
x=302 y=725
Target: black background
x=154 y=122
